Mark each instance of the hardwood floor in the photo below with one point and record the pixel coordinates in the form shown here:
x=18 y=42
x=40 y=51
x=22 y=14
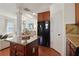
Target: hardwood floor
x=43 y=51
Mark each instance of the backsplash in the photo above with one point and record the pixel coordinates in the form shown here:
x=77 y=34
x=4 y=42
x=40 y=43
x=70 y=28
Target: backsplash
x=72 y=28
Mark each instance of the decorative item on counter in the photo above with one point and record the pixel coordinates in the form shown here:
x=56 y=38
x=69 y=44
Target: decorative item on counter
x=25 y=37
x=0 y=36
x=27 y=34
x=4 y=36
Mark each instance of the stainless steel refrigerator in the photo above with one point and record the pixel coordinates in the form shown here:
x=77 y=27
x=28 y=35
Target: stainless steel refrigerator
x=44 y=33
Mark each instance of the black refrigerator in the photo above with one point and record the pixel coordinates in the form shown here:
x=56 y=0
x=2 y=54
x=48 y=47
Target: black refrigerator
x=44 y=33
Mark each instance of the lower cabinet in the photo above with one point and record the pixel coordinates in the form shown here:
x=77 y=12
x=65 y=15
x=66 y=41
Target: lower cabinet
x=30 y=49
x=72 y=49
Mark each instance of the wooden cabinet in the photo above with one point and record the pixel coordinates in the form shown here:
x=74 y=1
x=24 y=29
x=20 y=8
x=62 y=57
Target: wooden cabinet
x=17 y=49
x=30 y=49
x=77 y=13
x=71 y=49
x=40 y=17
x=44 y=16
x=12 y=49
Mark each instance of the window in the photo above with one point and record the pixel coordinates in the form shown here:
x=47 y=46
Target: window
x=10 y=25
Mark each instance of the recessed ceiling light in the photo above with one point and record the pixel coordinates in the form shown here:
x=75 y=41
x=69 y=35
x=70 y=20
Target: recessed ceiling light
x=34 y=13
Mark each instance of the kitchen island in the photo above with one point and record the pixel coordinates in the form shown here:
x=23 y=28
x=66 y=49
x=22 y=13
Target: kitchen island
x=24 y=47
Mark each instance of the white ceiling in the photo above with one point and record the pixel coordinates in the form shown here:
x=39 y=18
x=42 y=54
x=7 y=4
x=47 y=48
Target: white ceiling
x=37 y=7
x=9 y=9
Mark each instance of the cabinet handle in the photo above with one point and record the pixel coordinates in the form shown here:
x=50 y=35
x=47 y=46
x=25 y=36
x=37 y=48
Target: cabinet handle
x=33 y=50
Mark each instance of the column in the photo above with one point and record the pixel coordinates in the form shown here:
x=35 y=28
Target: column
x=19 y=22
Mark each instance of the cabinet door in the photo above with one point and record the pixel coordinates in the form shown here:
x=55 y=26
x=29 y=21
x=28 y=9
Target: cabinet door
x=20 y=50
x=46 y=16
x=72 y=49
x=12 y=49
x=32 y=49
x=40 y=17
x=77 y=12
x=16 y=50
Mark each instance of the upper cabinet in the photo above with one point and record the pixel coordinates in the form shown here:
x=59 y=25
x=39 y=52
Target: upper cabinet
x=77 y=13
x=40 y=17
x=44 y=16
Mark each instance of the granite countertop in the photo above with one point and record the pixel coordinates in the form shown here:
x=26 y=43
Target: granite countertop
x=73 y=34
x=22 y=42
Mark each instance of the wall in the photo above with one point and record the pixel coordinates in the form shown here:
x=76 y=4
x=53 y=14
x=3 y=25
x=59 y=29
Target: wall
x=2 y=24
x=69 y=12
x=58 y=38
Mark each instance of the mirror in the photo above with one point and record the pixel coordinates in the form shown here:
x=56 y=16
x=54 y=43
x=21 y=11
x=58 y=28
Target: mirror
x=29 y=25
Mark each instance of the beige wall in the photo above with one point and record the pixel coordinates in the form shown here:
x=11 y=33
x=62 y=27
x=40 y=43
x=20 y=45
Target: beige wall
x=69 y=12
x=61 y=14
x=57 y=25
x=2 y=24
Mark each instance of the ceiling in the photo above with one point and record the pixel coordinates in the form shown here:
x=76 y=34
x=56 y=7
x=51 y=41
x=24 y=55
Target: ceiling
x=37 y=7
x=9 y=9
